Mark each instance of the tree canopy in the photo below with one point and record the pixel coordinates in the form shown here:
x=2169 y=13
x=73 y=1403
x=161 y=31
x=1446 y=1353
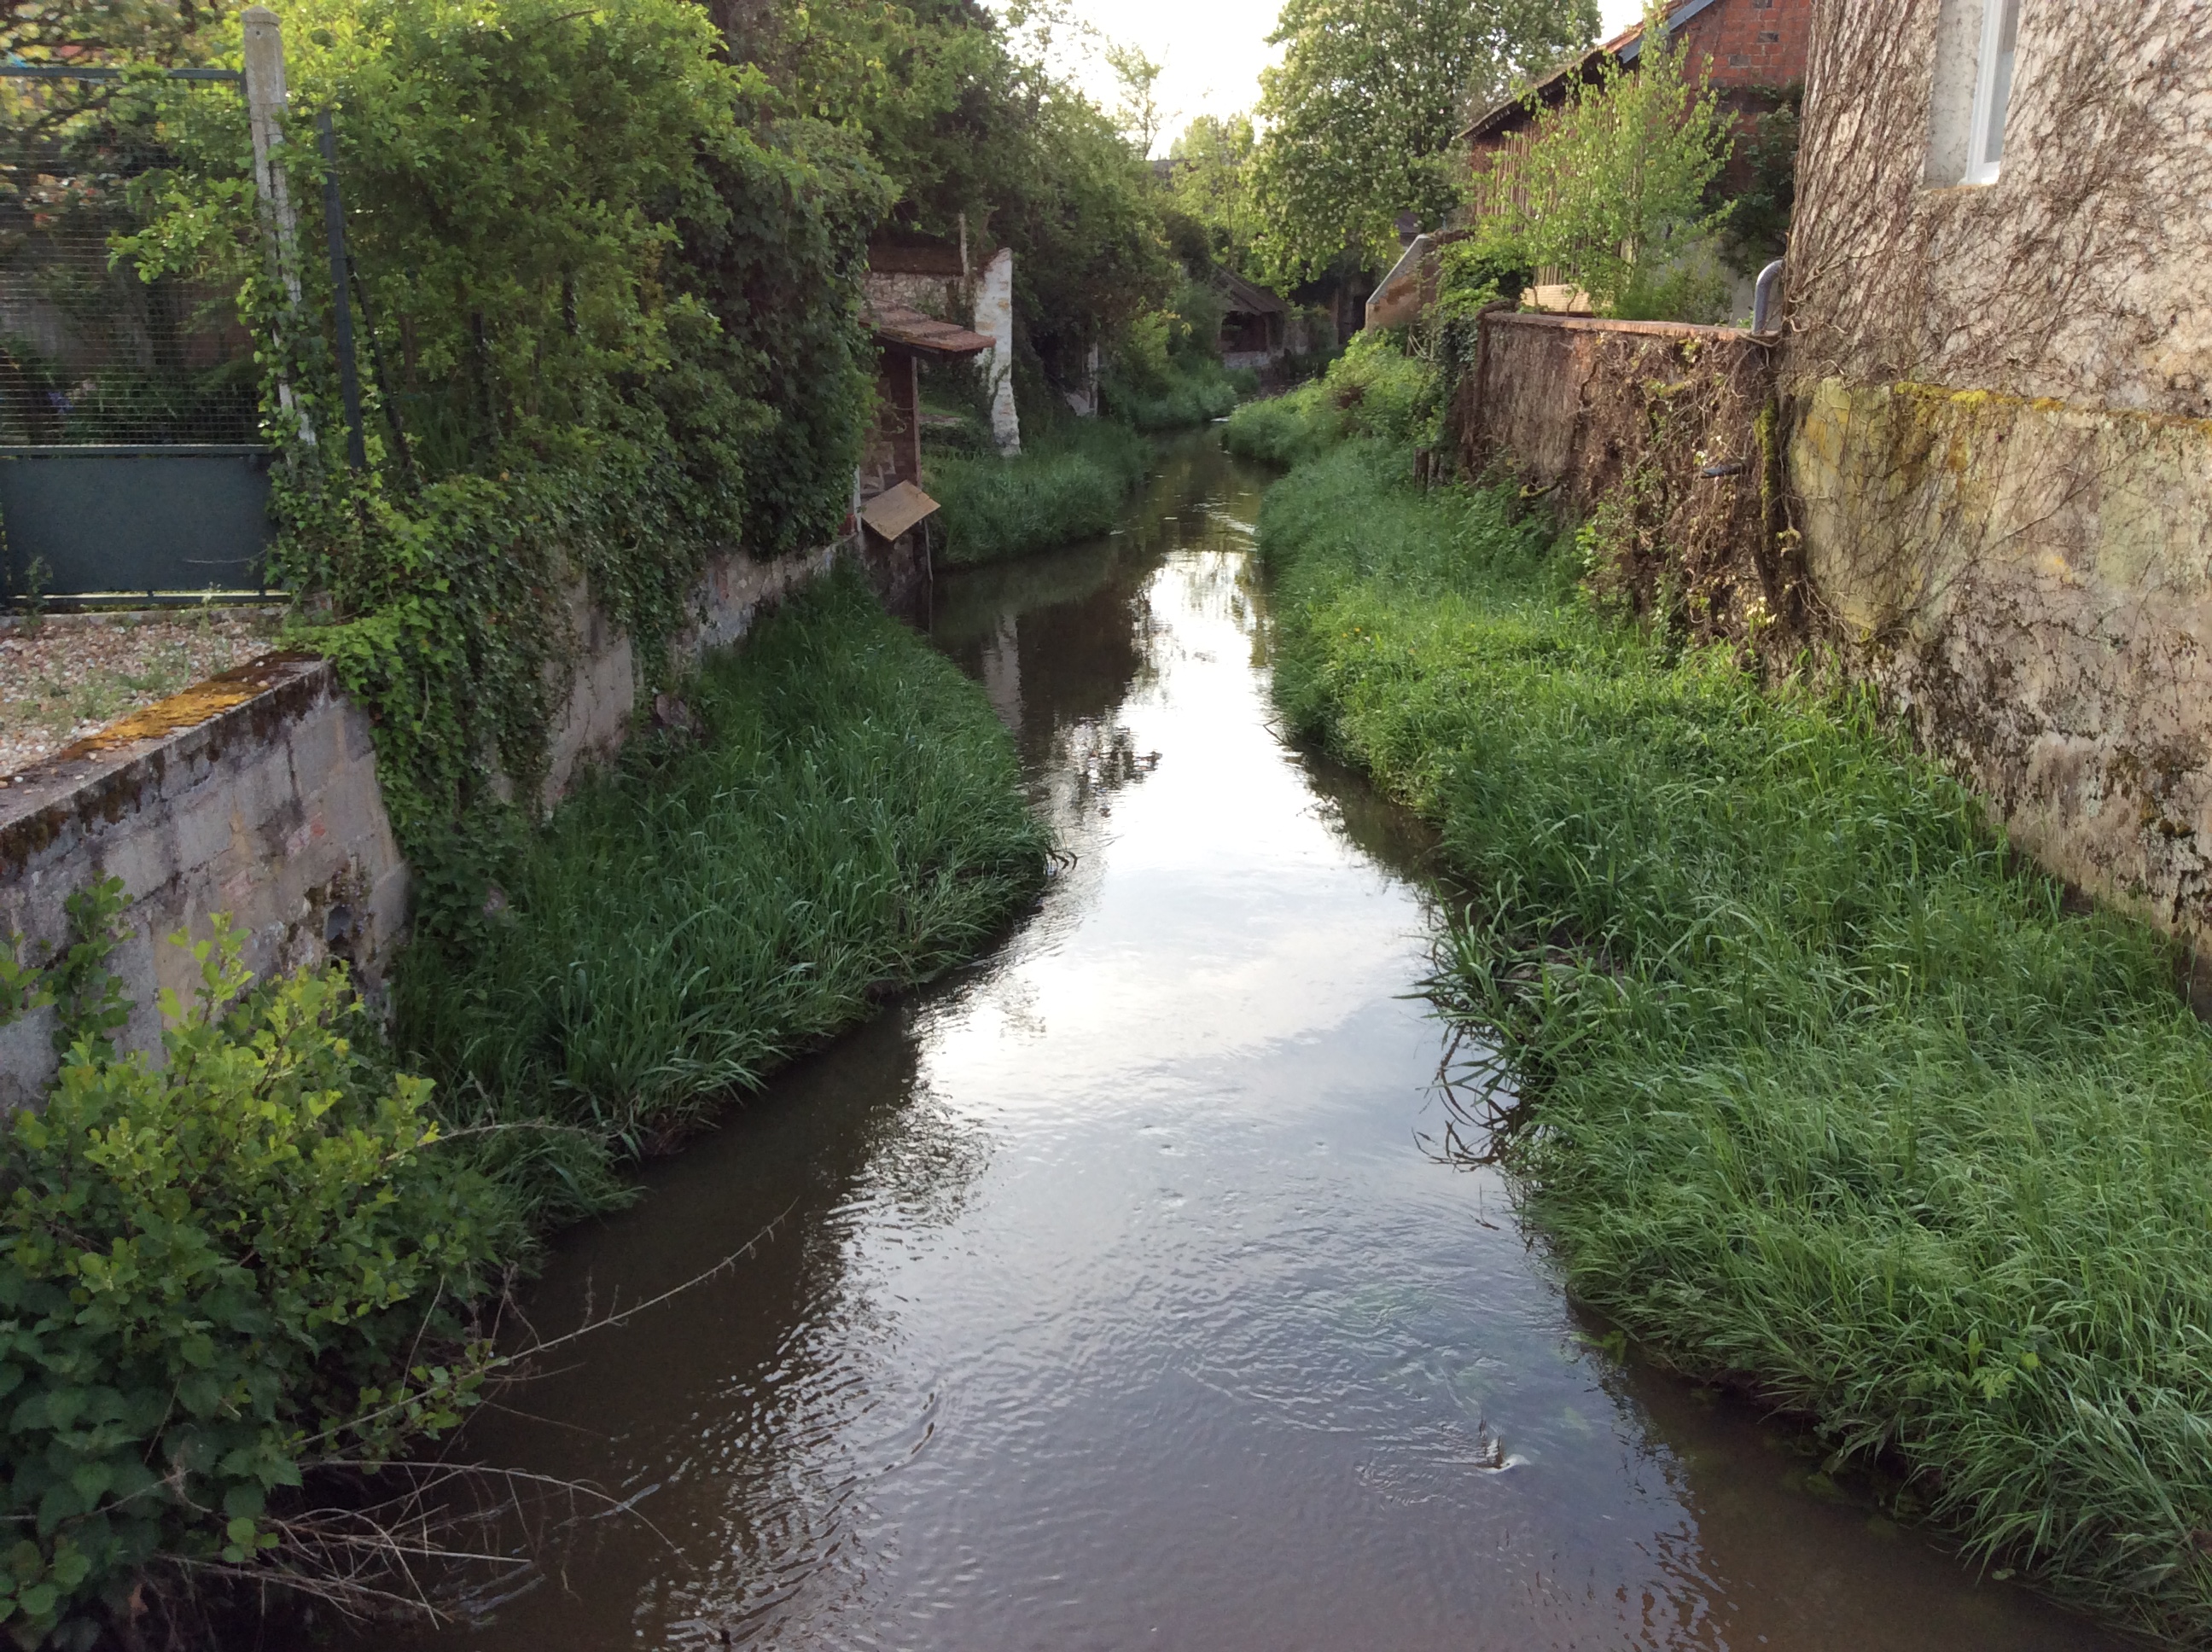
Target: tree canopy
x=1360 y=116
x=963 y=110
x=1211 y=183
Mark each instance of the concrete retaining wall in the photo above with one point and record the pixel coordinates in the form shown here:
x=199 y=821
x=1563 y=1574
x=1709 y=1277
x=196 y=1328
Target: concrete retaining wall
x=255 y=793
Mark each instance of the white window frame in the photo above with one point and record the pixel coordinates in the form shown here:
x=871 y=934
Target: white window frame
x=1982 y=166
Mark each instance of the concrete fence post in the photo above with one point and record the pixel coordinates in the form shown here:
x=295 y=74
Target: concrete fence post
x=265 y=110
x=994 y=319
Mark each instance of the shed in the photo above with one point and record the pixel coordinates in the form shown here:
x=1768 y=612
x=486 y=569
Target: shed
x=905 y=337
x=1255 y=326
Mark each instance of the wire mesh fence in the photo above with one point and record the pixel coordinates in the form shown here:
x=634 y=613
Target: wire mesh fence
x=133 y=464
x=90 y=353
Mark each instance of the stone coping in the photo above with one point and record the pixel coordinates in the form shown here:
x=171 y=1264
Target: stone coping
x=1646 y=329
x=158 y=750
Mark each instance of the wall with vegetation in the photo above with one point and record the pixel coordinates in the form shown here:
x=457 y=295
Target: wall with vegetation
x=2000 y=401
x=1656 y=437
x=255 y=794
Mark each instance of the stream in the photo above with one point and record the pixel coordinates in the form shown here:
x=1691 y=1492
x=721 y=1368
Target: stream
x=1114 y=1293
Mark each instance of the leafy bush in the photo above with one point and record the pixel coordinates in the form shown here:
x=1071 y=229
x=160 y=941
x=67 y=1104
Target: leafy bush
x=1166 y=375
x=217 y=1271
x=848 y=819
x=1612 y=191
x=1182 y=397
x=1374 y=391
x=1067 y=484
x=1818 y=1088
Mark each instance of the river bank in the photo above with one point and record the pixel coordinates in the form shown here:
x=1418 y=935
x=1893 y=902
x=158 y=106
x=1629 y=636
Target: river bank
x=255 y=1279
x=827 y=816
x=1072 y=477
x=1117 y=1289
x=1815 y=1088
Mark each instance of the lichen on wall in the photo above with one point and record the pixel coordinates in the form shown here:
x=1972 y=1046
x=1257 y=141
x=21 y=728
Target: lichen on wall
x=1999 y=406
x=2030 y=583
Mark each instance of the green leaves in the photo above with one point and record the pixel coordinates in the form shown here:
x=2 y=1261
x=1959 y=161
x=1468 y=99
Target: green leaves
x=1613 y=189
x=209 y=1269
x=1361 y=115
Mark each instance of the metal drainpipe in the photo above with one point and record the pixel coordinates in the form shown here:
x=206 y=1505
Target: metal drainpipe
x=1762 y=300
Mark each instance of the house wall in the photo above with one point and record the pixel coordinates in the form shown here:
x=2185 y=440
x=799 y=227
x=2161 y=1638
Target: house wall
x=1762 y=43
x=2000 y=407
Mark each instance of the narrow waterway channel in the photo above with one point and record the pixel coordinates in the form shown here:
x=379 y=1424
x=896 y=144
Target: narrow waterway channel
x=1113 y=1298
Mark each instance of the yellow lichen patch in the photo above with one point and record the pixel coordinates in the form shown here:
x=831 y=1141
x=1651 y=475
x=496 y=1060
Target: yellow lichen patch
x=189 y=709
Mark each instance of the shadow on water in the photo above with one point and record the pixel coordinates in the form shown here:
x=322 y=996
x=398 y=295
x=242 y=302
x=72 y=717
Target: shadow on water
x=1113 y=1300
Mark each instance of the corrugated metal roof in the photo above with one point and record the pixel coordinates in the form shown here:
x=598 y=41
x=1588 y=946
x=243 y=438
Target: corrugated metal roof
x=902 y=327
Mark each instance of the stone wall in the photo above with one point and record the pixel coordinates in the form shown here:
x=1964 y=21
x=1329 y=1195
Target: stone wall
x=2078 y=275
x=254 y=793
x=1656 y=435
x=1999 y=400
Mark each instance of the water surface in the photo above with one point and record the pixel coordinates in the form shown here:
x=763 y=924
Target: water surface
x=1112 y=1297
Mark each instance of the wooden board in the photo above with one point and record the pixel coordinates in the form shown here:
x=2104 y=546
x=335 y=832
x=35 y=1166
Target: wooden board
x=895 y=510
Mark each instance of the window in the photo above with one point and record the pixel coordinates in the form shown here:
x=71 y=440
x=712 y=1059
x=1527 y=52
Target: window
x=1992 y=88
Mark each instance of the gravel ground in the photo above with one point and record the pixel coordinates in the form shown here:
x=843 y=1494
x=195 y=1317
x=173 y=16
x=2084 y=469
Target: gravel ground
x=74 y=674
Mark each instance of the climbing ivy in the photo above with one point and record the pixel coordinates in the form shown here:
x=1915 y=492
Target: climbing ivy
x=608 y=313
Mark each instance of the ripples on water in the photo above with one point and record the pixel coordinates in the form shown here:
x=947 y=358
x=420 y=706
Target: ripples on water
x=1117 y=1304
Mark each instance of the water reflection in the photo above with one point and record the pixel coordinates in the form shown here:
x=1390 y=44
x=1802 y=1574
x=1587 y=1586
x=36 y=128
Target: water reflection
x=1116 y=1302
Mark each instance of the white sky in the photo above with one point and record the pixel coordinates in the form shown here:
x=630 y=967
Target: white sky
x=1211 y=52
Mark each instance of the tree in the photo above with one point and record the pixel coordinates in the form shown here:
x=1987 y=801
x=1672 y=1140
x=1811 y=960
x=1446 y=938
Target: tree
x=1211 y=182
x=1361 y=115
x=961 y=106
x=1138 y=110
x=1613 y=191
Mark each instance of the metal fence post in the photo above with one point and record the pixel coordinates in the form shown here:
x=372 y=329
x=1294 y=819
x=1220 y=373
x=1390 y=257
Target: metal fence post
x=264 y=109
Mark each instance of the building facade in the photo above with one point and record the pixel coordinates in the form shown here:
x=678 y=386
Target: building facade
x=1998 y=384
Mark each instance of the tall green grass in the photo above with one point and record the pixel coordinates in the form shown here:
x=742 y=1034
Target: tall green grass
x=849 y=820
x=1068 y=483
x=1372 y=391
x=1816 y=1087
x=1189 y=392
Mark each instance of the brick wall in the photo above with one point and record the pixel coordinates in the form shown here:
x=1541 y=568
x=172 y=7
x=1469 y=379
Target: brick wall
x=1752 y=43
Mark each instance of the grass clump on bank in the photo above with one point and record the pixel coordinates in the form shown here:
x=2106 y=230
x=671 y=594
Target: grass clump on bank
x=1372 y=391
x=849 y=820
x=1188 y=393
x=1819 y=1089
x=1067 y=484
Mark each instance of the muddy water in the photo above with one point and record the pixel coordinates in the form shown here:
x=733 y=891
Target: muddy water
x=1113 y=1298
